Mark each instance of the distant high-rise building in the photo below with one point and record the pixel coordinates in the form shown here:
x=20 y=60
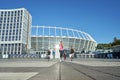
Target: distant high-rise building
x=15 y=30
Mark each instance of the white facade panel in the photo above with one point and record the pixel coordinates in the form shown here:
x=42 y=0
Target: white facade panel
x=15 y=25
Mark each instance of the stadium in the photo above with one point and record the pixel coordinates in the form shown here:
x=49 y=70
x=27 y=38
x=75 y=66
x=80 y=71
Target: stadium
x=49 y=37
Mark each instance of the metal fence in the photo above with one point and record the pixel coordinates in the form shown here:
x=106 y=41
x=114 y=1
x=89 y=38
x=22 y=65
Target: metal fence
x=20 y=56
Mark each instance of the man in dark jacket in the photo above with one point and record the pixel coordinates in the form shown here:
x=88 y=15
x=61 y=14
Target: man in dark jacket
x=48 y=54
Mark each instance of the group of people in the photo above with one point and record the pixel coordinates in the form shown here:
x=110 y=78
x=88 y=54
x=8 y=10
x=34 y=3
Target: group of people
x=62 y=52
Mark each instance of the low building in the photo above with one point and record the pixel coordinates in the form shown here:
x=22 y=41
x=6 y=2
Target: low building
x=116 y=48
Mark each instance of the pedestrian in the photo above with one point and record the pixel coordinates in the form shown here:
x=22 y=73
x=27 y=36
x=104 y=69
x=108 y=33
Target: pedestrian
x=83 y=51
x=48 y=54
x=64 y=55
x=71 y=53
x=61 y=50
x=53 y=53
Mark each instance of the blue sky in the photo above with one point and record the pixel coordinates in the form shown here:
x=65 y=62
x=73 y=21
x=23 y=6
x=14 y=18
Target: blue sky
x=99 y=18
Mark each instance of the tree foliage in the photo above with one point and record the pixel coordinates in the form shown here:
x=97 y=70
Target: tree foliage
x=109 y=45
x=116 y=42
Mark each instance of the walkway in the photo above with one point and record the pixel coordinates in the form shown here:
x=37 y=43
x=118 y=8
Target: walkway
x=54 y=70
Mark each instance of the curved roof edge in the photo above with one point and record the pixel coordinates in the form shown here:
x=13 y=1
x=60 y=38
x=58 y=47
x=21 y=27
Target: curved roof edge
x=85 y=36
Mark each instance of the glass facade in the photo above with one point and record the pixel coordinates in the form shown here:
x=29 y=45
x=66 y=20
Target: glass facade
x=47 y=37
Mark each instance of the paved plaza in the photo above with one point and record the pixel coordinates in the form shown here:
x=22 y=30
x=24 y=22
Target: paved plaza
x=41 y=69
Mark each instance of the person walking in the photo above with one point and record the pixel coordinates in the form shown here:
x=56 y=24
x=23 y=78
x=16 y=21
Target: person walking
x=53 y=53
x=48 y=54
x=71 y=53
x=61 y=50
x=64 y=55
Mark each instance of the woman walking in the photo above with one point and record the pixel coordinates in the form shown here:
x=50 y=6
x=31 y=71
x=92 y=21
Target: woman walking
x=61 y=50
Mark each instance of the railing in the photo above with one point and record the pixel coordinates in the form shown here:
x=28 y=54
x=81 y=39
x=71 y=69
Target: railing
x=21 y=56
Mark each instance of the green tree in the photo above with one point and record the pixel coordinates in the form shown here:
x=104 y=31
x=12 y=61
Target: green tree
x=109 y=45
x=116 y=41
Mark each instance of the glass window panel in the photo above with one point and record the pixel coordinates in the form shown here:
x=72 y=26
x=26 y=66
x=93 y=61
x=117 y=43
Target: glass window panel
x=33 y=39
x=89 y=45
x=52 y=31
x=86 y=44
x=33 y=32
x=82 y=44
x=84 y=36
x=40 y=31
x=52 y=39
x=33 y=45
x=46 y=39
x=64 y=32
x=52 y=45
x=58 y=40
x=46 y=31
x=65 y=39
x=46 y=45
x=77 y=44
x=70 y=33
x=81 y=36
x=71 y=41
x=76 y=34
x=39 y=45
x=58 y=32
x=40 y=39
x=87 y=37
